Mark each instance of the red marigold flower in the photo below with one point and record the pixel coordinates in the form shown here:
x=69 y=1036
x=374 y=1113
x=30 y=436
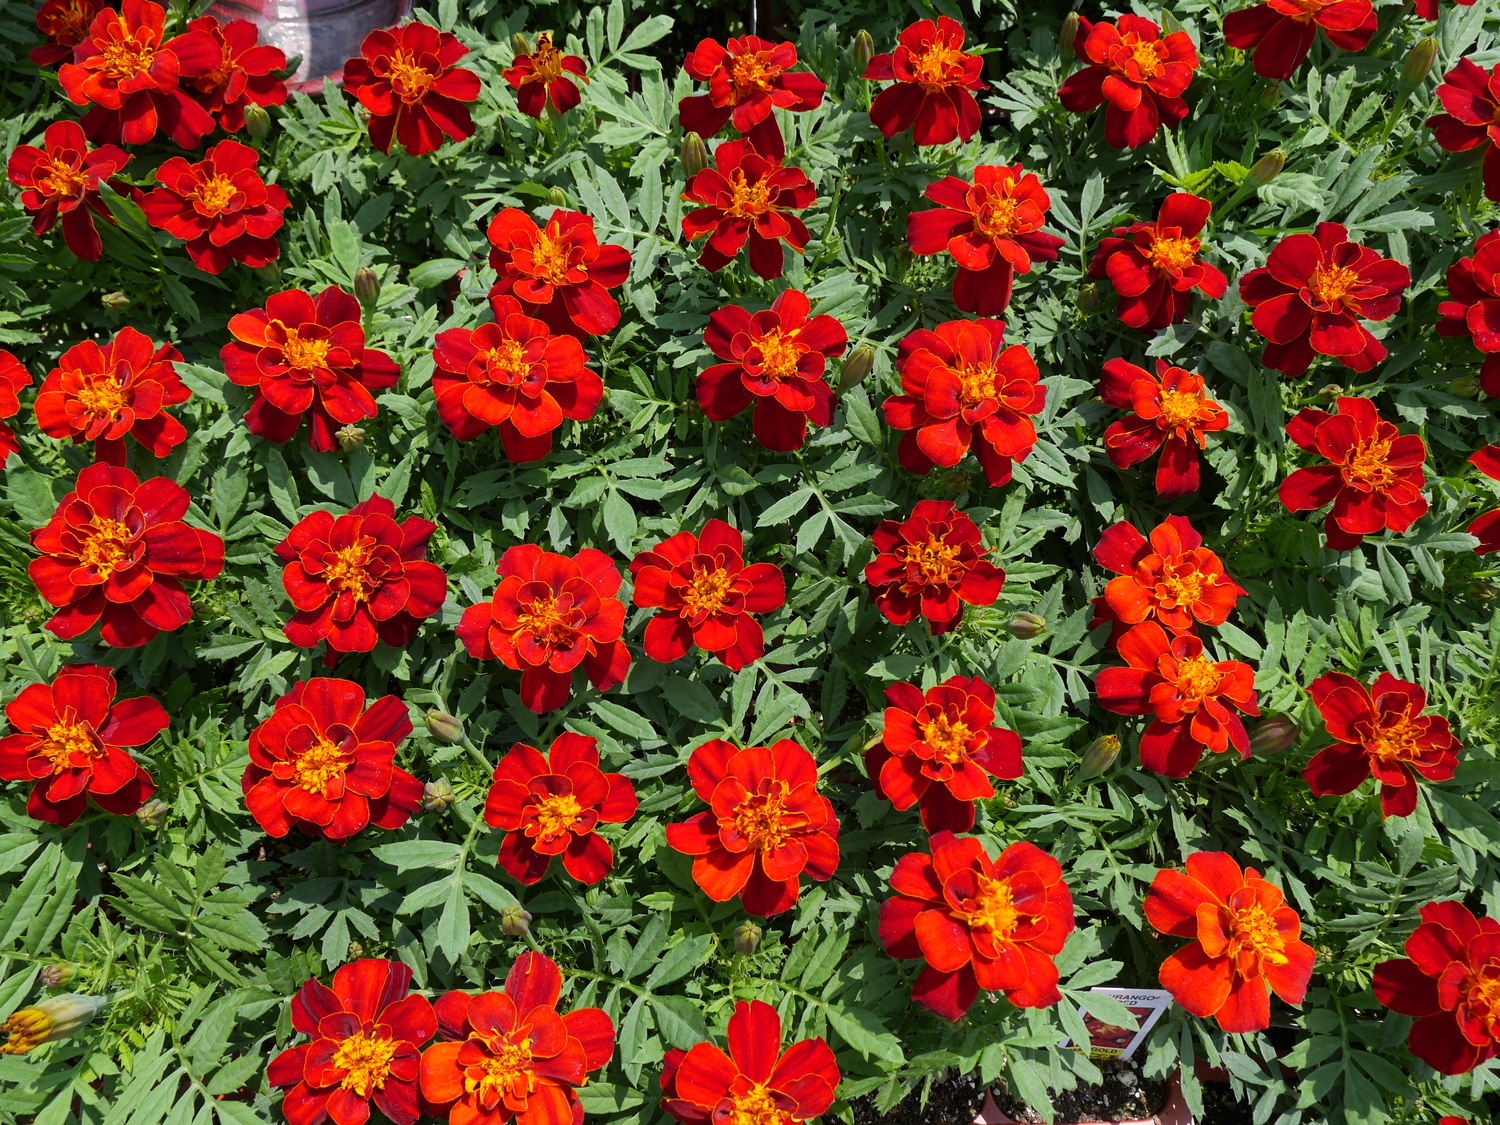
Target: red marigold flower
x=1188 y=695
x=323 y=763
x=220 y=207
x=538 y=78
x=116 y=552
x=765 y=825
x=775 y=359
x=706 y=595
x=408 y=79
x=1447 y=982
x=930 y=565
x=554 y=805
x=549 y=615
x=243 y=74
x=934 y=78
x=560 y=272
x=63 y=178
x=993 y=229
x=365 y=1033
x=358 y=578
x=1381 y=732
x=747 y=79
x=70 y=741
x=1172 y=579
x=514 y=375
x=1312 y=293
x=1281 y=32
x=1172 y=411
x=1486 y=527
x=978 y=922
x=306 y=355
x=1247 y=941
x=107 y=394
x=65 y=23
x=936 y=749
x=1374 y=479
x=129 y=77
x=1473 y=306
x=756 y=1081
x=1472 y=99
x=965 y=389
x=1141 y=74
x=13 y=379
x=747 y=197
x=1154 y=267
x=510 y=1053
x=1428 y=10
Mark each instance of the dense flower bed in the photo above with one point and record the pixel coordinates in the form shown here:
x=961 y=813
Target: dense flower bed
x=634 y=570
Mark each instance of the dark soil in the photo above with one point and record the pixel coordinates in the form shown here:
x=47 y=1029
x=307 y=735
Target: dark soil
x=1221 y=1108
x=1123 y=1096
x=954 y=1101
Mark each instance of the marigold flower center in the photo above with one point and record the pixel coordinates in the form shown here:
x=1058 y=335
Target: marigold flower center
x=1366 y=466
x=760 y=817
x=997 y=218
x=319 y=765
x=753 y=71
x=545 y=620
x=1197 y=679
x=505 y=1067
x=1183 y=409
x=934 y=67
x=976 y=385
x=748 y=200
x=1481 y=995
x=1330 y=285
x=707 y=592
x=506 y=363
x=366 y=1060
x=546 y=61
x=61 y=180
x=408 y=77
x=215 y=194
x=994 y=908
x=556 y=815
x=1173 y=255
x=107 y=548
x=1148 y=56
x=1253 y=930
x=125 y=55
x=551 y=258
x=756 y=1107
x=1396 y=741
x=347 y=570
x=102 y=394
x=779 y=354
x=948 y=738
x=1181 y=585
x=936 y=560
x=301 y=353
x=24 y=1031
x=70 y=21
x=67 y=739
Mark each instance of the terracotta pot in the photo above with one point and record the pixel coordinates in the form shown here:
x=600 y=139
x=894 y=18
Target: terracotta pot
x=1174 y=1112
x=324 y=32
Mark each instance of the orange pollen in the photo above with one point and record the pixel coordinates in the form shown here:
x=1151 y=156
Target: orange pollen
x=1366 y=466
x=936 y=560
x=124 y=55
x=936 y=66
x=1395 y=741
x=760 y=818
x=993 y=908
x=551 y=259
x=68 y=739
x=319 y=765
x=506 y=1067
x=1181 y=586
x=107 y=548
x=409 y=78
x=1197 y=679
x=707 y=592
x=301 y=353
x=25 y=1031
x=506 y=363
x=749 y=200
x=752 y=72
x=976 y=385
x=102 y=394
x=779 y=354
x=556 y=815
x=1184 y=409
x=542 y=618
x=948 y=738
x=546 y=61
x=346 y=571
x=366 y=1062
x=215 y=194
x=1147 y=55
x=1173 y=255
x=756 y=1106
x=62 y=181
x=1330 y=285
x=1253 y=930
x=997 y=218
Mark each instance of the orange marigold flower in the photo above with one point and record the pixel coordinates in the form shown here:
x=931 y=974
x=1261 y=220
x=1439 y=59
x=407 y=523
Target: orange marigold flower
x=1247 y=941
x=70 y=743
x=106 y=394
x=747 y=200
x=13 y=379
x=1172 y=579
x=756 y=1082
x=934 y=80
x=1189 y=696
x=1381 y=732
x=559 y=272
x=1172 y=411
x=930 y=565
x=765 y=825
x=324 y=763
x=243 y=74
x=979 y=923
x=65 y=23
x=538 y=78
x=1154 y=267
x=62 y=179
x=1281 y=32
x=408 y=79
x=993 y=229
x=510 y=1054
x=1486 y=527
x=129 y=77
x=962 y=389
x=936 y=749
x=220 y=207
x=747 y=79
x=552 y=805
x=365 y=1035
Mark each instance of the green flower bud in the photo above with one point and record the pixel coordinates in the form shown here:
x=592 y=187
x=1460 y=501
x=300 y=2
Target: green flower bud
x=1273 y=734
x=356 y=950
x=437 y=796
x=515 y=921
x=152 y=813
x=864 y=50
x=49 y=1021
x=747 y=937
x=857 y=367
x=350 y=437
x=1088 y=297
x=1465 y=386
x=1330 y=391
x=520 y=44
x=366 y=286
x=1484 y=592
x=443 y=726
x=1100 y=757
x=1267 y=168
x=1419 y=60
x=1067 y=35
x=257 y=122
x=114 y=302
x=556 y=196
x=694 y=155
x=1027 y=626
x=1271 y=96
x=270 y=274
x=55 y=976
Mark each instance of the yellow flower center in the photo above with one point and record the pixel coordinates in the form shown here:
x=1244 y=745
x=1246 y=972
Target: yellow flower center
x=1197 y=679
x=1147 y=56
x=1395 y=741
x=1173 y=255
x=62 y=181
x=507 y=363
x=102 y=394
x=409 y=78
x=318 y=765
x=545 y=620
x=1254 y=930
x=1185 y=409
x=936 y=560
x=125 y=55
x=994 y=908
x=301 y=353
x=1181 y=586
x=708 y=591
x=760 y=818
x=366 y=1060
x=69 y=21
x=1330 y=285
x=546 y=61
x=347 y=570
x=550 y=259
x=934 y=67
x=756 y=1107
x=24 y=1031
x=67 y=739
x=749 y=200
x=976 y=385
x=504 y=1067
x=107 y=548
x=556 y=815
x=948 y=738
x=779 y=354
x=997 y=218
x=1481 y=995
x=752 y=72
x=217 y=193
x=1366 y=466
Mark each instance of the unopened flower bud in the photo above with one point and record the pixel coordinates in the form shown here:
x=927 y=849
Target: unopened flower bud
x=443 y=726
x=1271 y=96
x=1484 y=592
x=257 y=122
x=1330 y=391
x=1067 y=34
x=55 y=976
x=1088 y=297
x=857 y=367
x=556 y=196
x=1273 y=734
x=1008 y=799
x=864 y=50
x=1026 y=625
x=515 y=921
x=152 y=813
x=520 y=44
x=1419 y=61
x=1465 y=386
x=1101 y=755
x=694 y=155
x=49 y=1021
x=1267 y=168
x=114 y=302
x=270 y=274
x=437 y=796
x=366 y=286
x=746 y=937
x=356 y=950
x=350 y=437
